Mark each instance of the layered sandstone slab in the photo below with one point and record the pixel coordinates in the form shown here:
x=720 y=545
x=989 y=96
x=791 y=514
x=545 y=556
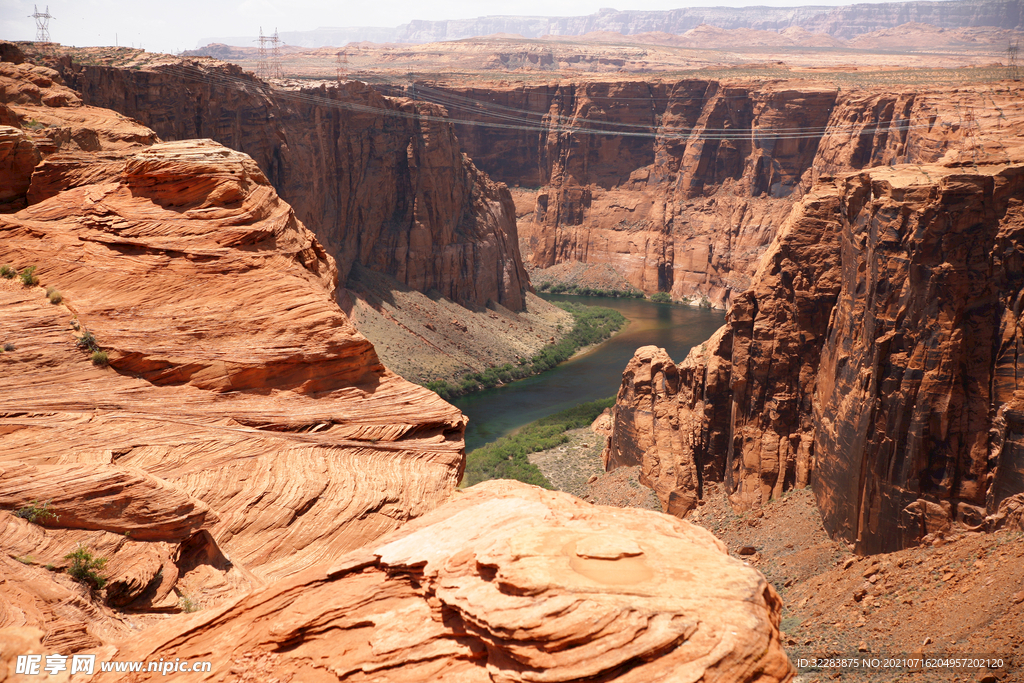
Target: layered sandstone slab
x=233 y=374
x=874 y=358
x=505 y=583
x=108 y=497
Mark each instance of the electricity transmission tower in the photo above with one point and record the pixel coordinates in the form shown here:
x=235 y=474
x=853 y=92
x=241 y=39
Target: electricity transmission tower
x=1012 y=55
x=275 y=56
x=42 y=24
x=261 y=56
x=268 y=66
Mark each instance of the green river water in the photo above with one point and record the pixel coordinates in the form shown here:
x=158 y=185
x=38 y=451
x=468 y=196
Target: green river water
x=493 y=413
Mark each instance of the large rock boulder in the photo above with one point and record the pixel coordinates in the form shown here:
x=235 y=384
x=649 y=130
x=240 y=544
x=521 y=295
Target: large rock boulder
x=506 y=583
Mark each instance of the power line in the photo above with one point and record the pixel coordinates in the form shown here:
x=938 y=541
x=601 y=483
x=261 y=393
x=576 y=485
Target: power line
x=561 y=125
x=261 y=56
x=275 y=56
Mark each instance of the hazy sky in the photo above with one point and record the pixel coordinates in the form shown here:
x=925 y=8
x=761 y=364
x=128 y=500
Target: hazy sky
x=174 y=25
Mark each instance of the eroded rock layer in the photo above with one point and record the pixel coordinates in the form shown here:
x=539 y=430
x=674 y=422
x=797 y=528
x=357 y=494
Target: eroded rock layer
x=874 y=358
x=507 y=582
x=681 y=186
x=182 y=395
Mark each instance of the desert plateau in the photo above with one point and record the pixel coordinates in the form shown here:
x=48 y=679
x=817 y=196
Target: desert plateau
x=635 y=346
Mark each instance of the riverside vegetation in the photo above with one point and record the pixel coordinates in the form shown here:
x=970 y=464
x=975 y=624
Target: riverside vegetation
x=592 y=325
x=508 y=457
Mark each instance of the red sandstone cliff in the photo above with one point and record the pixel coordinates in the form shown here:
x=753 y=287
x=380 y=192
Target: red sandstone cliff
x=873 y=358
x=379 y=184
x=690 y=195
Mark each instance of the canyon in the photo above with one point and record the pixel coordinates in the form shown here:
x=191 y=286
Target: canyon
x=191 y=423
x=872 y=359
x=690 y=204
x=202 y=381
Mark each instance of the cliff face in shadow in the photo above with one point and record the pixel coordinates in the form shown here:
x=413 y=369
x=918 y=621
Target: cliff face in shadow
x=379 y=181
x=875 y=358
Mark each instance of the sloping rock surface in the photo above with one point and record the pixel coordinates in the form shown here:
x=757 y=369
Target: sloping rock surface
x=507 y=582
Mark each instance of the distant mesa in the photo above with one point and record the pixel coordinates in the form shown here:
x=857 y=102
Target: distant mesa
x=839 y=22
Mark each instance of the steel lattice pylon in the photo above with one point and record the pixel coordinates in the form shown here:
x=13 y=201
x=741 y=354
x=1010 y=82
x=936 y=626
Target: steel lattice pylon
x=42 y=24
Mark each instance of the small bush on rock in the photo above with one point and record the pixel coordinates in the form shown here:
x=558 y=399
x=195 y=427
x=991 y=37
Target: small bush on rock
x=36 y=512
x=88 y=342
x=28 y=276
x=85 y=567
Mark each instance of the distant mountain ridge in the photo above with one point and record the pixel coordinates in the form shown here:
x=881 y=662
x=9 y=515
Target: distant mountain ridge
x=842 y=22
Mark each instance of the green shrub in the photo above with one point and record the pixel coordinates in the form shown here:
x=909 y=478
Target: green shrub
x=188 y=604
x=28 y=276
x=7 y=273
x=88 y=342
x=99 y=358
x=508 y=457
x=36 y=512
x=661 y=298
x=578 y=290
x=85 y=567
x=54 y=295
x=9 y=346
